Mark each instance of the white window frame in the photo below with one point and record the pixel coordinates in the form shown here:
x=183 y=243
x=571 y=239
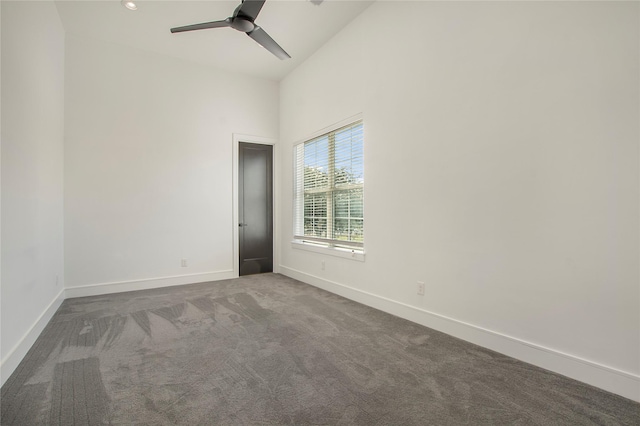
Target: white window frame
x=323 y=245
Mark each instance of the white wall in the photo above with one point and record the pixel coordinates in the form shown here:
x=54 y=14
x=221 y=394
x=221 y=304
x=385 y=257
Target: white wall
x=148 y=166
x=32 y=176
x=501 y=164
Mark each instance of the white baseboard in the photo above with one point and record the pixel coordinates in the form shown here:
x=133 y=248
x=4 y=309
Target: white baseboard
x=18 y=352
x=608 y=378
x=147 y=283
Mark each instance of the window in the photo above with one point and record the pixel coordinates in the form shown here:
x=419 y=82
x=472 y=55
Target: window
x=329 y=189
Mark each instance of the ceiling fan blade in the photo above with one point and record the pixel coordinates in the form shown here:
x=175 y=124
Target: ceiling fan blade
x=260 y=35
x=249 y=9
x=203 y=26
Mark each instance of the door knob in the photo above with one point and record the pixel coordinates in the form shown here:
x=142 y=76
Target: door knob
x=242 y=224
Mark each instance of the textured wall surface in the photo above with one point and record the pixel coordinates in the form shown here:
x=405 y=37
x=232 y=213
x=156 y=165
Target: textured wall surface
x=32 y=169
x=501 y=167
x=148 y=162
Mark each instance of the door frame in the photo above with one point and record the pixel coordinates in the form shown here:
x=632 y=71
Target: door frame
x=237 y=138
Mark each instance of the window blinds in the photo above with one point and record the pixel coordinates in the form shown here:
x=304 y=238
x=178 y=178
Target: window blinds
x=329 y=188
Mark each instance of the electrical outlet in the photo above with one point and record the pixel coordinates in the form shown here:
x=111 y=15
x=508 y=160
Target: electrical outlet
x=420 y=288
x=322 y=265
x=183 y=263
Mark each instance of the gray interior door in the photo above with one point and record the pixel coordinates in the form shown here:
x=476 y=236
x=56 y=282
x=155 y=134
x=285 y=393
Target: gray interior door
x=255 y=210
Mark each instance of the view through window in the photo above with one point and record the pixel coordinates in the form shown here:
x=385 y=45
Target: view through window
x=329 y=188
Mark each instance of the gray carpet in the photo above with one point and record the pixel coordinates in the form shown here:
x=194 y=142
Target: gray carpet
x=266 y=349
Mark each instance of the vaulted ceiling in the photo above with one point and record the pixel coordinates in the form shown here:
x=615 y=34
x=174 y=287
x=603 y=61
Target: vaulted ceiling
x=299 y=26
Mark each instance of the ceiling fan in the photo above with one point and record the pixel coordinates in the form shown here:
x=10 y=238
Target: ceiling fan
x=243 y=20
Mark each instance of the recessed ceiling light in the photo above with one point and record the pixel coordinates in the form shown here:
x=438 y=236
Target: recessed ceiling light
x=129 y=4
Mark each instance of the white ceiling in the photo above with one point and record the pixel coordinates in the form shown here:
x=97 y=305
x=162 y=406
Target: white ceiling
x=299 y=26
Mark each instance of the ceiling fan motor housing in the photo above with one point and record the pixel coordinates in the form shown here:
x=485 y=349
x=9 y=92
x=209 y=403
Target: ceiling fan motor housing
x=242 y=24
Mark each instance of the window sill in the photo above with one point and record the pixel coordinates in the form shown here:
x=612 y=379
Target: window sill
x=331 y=251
